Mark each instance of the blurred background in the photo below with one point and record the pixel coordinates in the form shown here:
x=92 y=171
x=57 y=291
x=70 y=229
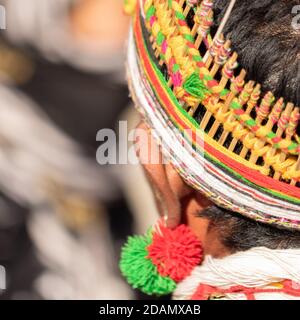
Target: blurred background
x=64 y=217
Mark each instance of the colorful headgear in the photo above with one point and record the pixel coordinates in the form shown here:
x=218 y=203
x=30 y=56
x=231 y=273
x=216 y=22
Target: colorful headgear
x=225 y=137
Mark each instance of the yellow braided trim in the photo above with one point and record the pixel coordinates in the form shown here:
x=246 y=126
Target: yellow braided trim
x=189 y=52
x=176 y=45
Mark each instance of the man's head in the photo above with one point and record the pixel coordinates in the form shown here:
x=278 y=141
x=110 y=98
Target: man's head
x=269 y=49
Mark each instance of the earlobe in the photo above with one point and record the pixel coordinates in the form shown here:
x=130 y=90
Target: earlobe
x=191 y=206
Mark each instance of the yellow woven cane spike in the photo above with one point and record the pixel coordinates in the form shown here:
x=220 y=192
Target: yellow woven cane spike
x=276 y=112
x=254 y=97
x=246 y=93
x=204 y=17
x=240 y=131
x=293 y=123
x=230 y=66
x=264 y=109
x=223 y=53
x=273 y=119
x=237 y=84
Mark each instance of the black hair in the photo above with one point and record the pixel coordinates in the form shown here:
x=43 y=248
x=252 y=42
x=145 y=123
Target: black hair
x=239 y=233
x=262 y=34
x=268 y=44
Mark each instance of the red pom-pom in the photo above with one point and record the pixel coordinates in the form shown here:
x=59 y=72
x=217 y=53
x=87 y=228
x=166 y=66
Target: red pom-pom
x=175 y=252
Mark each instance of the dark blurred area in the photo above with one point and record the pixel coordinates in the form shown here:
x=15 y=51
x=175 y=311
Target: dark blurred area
x=63 y=217
x=77 y=101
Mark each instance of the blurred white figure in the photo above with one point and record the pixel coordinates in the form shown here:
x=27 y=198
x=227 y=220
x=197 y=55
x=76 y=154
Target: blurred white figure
x=78 y=269
x=32 y=150
x=42 y=168
x=33 y=155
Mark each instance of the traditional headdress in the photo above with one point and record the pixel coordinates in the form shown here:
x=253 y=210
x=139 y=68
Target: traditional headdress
x=226 y=137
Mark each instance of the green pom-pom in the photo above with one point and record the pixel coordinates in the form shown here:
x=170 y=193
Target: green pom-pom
x=195 y=86
x=140 y=272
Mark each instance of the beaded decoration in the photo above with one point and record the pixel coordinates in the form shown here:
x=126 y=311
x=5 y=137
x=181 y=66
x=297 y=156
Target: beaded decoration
x=191 y=77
